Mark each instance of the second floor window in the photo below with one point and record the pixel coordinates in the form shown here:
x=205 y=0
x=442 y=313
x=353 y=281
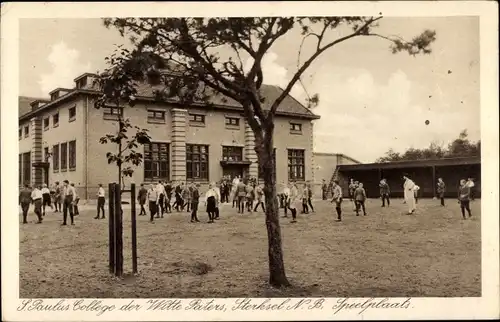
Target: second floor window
x=295 y=128
x=55 y=120
x=46 y=123
x=110 y=113
x=197 y=119
x=156 y=116
x=197 y=162
x=26 y=131
x=232 y=153
x=55 y=157
x=20 y=133
x=64 y=156
x=72 y=155
x=72 y=113
x=232 y=121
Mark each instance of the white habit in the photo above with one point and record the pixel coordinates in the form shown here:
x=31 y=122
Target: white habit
x=409 y=195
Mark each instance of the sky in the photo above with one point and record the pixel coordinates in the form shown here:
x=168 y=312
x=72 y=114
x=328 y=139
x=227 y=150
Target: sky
x=370 y=99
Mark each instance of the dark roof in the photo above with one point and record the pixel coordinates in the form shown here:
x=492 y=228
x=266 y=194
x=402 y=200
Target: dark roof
x=24 y=104
x=411 y=164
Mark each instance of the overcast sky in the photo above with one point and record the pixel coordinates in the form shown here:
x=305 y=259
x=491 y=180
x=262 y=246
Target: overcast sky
x=370 y=99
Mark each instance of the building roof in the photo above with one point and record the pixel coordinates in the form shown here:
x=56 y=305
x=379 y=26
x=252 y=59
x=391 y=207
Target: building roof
x=24 y=104
x=289 y=107
x=411 y=164
x=337 y=155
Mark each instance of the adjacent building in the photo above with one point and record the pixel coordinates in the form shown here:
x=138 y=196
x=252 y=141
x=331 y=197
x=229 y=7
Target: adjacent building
x=59 y=139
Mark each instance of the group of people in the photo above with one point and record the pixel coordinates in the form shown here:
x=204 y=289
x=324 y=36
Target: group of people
x=60 y=198
x=292 y=198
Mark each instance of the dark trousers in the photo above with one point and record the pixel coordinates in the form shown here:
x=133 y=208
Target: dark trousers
x=46 y=202
x=58 y=204
x=153 y=208
x=338 y=208
x=178 y=202
x=360 y=204
x=385 y=196
x=143 y=210
x=309 y=202
x=25 y=208
x=76 y=212
x=100 y=206
x=259 y=203
x=286 y=205
x=216 y=213
x=465 y=205
x=323 y=195
x=187 y=204
x=305 y=209
x=442 y=201
x=68 y=207
x=294 y=214
x=241 y=204
x=161 y=205
x=249 y=203
x=38 y=208
x=168 y=206
x=194 y=211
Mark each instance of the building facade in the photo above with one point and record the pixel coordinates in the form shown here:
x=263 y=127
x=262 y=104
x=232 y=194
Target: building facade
x=59 y=139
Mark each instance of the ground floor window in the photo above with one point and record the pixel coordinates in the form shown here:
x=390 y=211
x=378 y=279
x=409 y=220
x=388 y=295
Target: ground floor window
x=156 y=161
x=296 y=164
x=197 y=162
x=232 y=153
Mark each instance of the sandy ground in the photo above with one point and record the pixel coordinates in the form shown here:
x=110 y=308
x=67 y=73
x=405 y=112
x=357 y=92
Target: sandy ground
x=433 y=253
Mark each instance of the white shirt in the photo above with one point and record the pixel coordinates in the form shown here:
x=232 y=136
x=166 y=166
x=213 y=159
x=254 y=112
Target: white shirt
x=416 y=188
x=470 y=183
x=211 y=193
x=45 y=191
x=160 y=188
x=101 y=192
x=236 y=181
x=286 y=191
x=36 y=194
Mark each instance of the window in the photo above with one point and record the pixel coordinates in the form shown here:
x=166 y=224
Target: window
x=110 y=113
x=64 y=156
x=55 y=157
x=72 y=155
x=27 y=167
x=295 y=128
x=55 y=120
x=197 y=162
x=156 y=116
x=46 y=154
x=296 y=165
x=54 y=96
x=156 y=161
x=46 y=123
x=26 y=131
x=232 y=122
x=261 y=170
x=72 y=113
x=196 y=119
x=232 y=153
x=20 y=170
x=20 y=133
x=81 y=83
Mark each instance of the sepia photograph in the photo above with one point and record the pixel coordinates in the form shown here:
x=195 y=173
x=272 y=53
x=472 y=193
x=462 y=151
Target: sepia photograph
x=249 y=156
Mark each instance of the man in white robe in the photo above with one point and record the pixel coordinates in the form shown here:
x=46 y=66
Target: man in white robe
x=409 y=194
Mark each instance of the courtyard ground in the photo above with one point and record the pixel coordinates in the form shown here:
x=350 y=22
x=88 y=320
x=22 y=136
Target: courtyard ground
x=433 y=253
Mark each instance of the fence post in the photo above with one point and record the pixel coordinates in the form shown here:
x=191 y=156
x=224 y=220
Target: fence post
x=134 y=228
x=118 y=233
x=111 y=221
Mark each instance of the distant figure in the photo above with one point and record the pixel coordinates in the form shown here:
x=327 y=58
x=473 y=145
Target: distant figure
x=309 y=197
x=36 y=199
x=58 y=197
x=76 y=212
x=324 y=189
x=305 y=195
x=409 y=194
x=384 y=192
x=241 y=193
x=352 y=187
x=142 y=196
x=101 y=200
x=415 y=190
x=337 y=199
x=45 y=198
x=186 y=199
x=286 y=199
x=259 y=196
x=69 y=197
x=217 y=200
x=464 y=198
x=211 y=203
x=295 y=201
x=168 y=197
x=359 y=199
x=25 y=201
x=153 y=200
x=195 y=199
x=249 y=197
x=160 y=189
x=441 y=189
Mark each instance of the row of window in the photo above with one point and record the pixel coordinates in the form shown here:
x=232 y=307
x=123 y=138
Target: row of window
x=157 y=167
x=46 y=122
x=63 y=156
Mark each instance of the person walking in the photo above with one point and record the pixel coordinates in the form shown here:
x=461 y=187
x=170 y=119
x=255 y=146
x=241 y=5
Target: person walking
x=464 y=198
x=142 y=196
x=337 y=199
x=241 y=192
x=160 y=189
x=195 y=199
x=309 y=197
x=415 y=190
x=46 y=198
x=295 y=201
x=324 y=189
x=352 y=187
x=249 y=197
x=218 y=200
x=305 y=193
x=286 y=199
x=68 y=197
x=360 y=198
x=153 y=197
x=186 y=198
x=37 y=200
x=101 y=200
x=441 y=189
x=409 y=194
x=58 y=197
x=76 y=212
x=259 y=196
x=168 y=197
x=384 y=192
x=211 y=203
x=25 y=201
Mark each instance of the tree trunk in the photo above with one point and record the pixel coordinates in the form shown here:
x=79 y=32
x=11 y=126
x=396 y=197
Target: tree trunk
x=264 y=149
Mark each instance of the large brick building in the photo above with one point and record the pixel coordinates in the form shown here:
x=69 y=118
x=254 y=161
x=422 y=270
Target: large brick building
x=59 y=139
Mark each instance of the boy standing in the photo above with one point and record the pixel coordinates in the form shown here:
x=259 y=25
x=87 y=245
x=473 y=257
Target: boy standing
x=384 y=192
x=337 y=199
x=359 y=199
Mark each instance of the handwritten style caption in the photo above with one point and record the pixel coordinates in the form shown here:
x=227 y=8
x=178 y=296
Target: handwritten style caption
x=103 y=307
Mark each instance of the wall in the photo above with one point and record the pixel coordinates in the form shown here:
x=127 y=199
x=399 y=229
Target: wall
x=325 y=165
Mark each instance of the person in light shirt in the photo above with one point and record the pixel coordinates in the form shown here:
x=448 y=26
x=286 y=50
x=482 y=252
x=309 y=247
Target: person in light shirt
x=337 y=199
x=286 y=199
x=160 y=189
x=211 y=202
x=45 y=198
x=409 y=194
x=68 y=196
x=36 y=197
x=76 y=212
x=153 y=200
x=101 y=200
x=295 y=201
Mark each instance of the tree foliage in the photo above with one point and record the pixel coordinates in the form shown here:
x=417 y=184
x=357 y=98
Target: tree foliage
x=460 y=147
x=203 y=60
